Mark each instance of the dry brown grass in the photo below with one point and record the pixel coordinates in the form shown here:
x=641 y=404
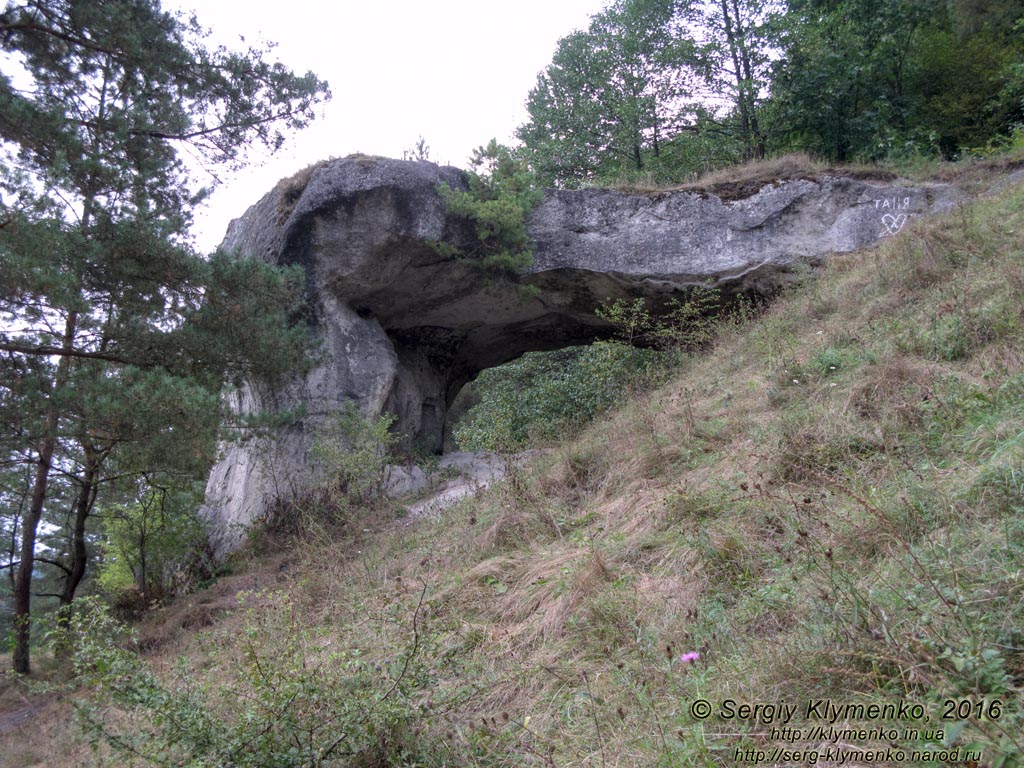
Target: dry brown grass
x=893 y=387
x=290 y=189
x=978 y=175
x=45 y=738
x=745 y=180
x=162 y=629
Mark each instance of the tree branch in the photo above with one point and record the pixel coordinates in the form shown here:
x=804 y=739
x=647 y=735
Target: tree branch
x=67 y=38
x=155 y=134
x=49 y=351
x=54 y=563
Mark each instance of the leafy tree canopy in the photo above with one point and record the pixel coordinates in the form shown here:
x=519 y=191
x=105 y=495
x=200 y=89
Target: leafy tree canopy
x=661 y=90
x=611 y=95
x=868 y=81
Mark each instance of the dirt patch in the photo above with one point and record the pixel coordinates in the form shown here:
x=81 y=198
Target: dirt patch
x=741 y=189
x=20 y=716
x=202 y=609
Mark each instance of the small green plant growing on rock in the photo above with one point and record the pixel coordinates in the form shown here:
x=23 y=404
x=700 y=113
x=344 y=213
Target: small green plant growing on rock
x=353 y=451
x=501 y=194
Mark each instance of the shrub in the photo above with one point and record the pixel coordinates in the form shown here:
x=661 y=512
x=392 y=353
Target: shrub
x=541 y=396
x=688 y=324
x=353 y=451
x=289 y=698
x=153 y=547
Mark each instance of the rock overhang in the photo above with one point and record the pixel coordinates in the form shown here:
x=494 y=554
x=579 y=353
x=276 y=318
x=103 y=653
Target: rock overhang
x=404 y=327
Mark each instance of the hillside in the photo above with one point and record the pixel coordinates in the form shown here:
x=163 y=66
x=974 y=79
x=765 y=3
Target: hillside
x=815 y=528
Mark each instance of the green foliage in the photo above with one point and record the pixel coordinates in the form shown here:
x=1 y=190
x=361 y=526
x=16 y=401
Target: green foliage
x=501 y=194
x=632 y=320
x=656 y=91
x=288 y=700
x=828 y=362
x=611 y=96
x=248 y=324
x=353 y=452
x=151 y=543
x=735 y=43
x=653 y=90
x=860 y=80
x=542 y=396
x=959 y=102
x=683 y=324
x=118 y=337
x=693 y=153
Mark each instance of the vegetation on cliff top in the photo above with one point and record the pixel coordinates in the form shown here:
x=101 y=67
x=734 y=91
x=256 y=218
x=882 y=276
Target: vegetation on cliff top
x=502 y=190
x=659 y=91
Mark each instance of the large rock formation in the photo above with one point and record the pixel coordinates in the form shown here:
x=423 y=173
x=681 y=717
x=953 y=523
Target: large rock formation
x=404 y=328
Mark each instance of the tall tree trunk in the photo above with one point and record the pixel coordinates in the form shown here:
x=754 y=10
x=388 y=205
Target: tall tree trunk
x=638 y=158
x=732 y=26
x=757 y=137
x=23 y=584
x=21 y=658
x=140 y=570
x=12 y=546
x=83 y=508
x=741 y=102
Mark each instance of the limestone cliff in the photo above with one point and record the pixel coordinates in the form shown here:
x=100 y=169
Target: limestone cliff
x=403 y=328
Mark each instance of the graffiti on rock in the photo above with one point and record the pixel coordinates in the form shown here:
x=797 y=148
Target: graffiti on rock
x=892 y=220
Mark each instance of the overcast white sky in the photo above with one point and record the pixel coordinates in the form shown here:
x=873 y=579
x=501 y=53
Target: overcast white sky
x=456 y=72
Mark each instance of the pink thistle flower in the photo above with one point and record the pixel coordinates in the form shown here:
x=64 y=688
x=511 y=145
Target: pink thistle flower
x=689 y=658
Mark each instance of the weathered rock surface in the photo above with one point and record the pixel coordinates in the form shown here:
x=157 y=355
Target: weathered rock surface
x=460 y=474
x=403 y=328
x=459 y=469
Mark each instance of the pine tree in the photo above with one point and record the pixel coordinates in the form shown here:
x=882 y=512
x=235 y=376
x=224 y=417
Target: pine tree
x=116 y=336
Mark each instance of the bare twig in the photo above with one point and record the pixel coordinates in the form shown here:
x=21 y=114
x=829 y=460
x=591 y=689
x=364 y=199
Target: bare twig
x=593 y=713
x=415 y=644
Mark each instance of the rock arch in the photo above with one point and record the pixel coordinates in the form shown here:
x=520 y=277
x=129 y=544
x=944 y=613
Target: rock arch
x=404 y=328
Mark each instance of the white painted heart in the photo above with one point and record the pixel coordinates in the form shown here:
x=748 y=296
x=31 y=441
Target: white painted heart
x=893 y=224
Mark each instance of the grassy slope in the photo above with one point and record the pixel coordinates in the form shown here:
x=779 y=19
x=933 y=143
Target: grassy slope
x=828 y=505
